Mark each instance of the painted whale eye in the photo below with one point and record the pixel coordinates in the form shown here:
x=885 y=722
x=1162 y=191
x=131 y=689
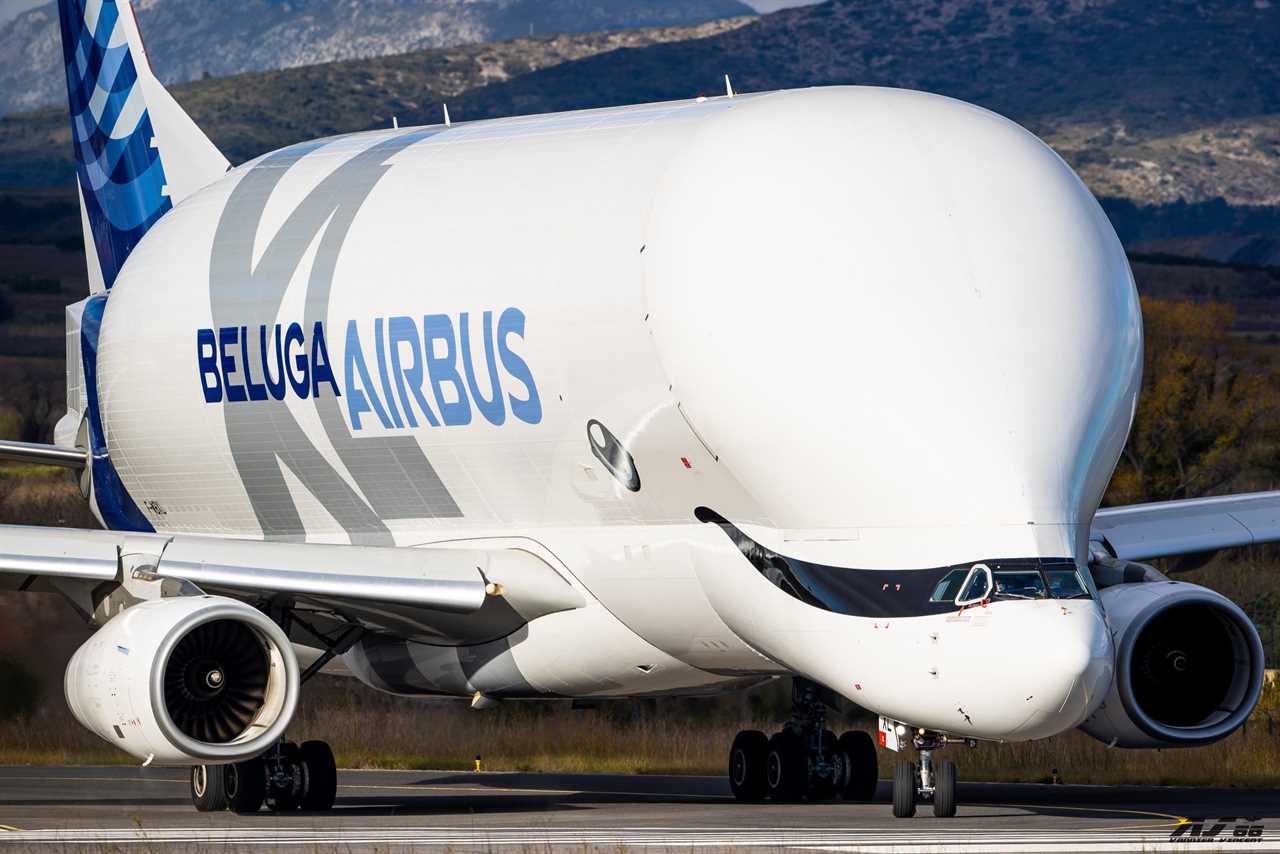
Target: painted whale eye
x=609 y=451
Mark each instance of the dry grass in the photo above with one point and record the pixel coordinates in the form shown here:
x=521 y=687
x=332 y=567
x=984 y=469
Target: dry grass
x=42 y=495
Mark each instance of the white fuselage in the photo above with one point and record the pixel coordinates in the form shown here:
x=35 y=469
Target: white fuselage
x=872 y=329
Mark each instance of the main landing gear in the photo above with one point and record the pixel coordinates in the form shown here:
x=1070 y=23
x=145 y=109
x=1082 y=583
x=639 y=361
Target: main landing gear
x=805 y=761
x=287 y=777
x=930 y=780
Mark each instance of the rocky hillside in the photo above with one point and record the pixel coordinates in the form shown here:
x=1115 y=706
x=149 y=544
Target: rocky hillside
x=249 y=114
x=1170 y=103
x=190 y=39
x=1149 y=67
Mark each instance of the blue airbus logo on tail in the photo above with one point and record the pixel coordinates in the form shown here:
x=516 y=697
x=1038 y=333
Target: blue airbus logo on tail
x=427 y=370
x=117 y=164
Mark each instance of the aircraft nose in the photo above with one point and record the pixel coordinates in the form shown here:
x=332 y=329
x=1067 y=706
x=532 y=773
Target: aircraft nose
x=1075 y=670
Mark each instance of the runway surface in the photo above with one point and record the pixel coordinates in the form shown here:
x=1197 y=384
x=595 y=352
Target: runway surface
x=74 y=809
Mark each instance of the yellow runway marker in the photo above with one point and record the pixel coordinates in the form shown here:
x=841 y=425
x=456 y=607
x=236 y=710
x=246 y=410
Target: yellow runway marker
x=1171 y=820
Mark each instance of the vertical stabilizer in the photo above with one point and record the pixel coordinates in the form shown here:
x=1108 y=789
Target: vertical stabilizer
x=137 y=152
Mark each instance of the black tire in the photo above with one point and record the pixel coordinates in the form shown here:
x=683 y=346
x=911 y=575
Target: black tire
x=904 y=789
x=246 y=785
x=863 y=774
x=747 y=759
x=289 y=798
x=321 y=776
x=208 y=788
x=944 y=789
x=786 y=771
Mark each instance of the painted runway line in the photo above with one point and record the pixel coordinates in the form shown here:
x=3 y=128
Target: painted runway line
x=872 y=841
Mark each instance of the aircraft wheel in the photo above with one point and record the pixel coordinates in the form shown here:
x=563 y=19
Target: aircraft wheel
x=321 y=775
x=787 y=772
x=944 y=792
x=246 y=785
x=288 y=797
x=747 y=760
x=904 y=789
x=208 y=790
x=862 y=771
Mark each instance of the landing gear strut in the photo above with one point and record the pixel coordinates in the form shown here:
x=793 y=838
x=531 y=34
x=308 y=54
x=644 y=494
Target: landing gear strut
x=286 y=777
x=804 y=761
x=930 y=780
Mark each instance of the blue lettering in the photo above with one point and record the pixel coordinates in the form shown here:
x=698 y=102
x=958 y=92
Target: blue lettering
x=492 y=408
x=402 y=330
x=320 y=370
x=359 y=398
x=442 y=369
x=207 y=357
x=257 y=391
x=529 y=409
x=408 y=358
x=228 y=335
x=275 y=385
x=381 y=352
x=300 y=381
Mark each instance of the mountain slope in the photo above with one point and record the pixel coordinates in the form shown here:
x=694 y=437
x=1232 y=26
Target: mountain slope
x=189 y=39
x=249 y=114
x=1165 y=66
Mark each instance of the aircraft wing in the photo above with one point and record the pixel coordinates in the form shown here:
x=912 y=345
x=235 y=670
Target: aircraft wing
x=452 y=594
x=1192 y=526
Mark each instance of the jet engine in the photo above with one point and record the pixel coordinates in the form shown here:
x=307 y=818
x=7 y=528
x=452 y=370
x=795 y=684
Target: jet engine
x=186 y=680
x=1189 y=666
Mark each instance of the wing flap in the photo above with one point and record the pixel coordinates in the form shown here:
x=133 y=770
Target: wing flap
x=448 y=581
x=1191 y=526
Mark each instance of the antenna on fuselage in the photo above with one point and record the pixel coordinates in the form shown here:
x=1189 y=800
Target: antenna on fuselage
x=728 y=87
x=395 y=123
x=447 y=123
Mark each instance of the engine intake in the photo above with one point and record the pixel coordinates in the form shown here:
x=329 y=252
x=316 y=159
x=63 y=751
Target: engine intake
x=1189 y=666
x=188 y=679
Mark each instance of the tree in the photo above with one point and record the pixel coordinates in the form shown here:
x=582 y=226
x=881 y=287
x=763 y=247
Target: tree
x=1207 y=415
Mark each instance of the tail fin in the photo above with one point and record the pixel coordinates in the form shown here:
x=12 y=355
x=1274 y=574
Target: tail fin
x=137 y=152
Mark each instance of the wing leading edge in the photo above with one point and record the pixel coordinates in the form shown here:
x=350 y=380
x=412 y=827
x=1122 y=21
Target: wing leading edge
x=429 y=590
x=1191 y=526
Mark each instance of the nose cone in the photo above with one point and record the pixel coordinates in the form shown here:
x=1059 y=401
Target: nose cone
x=1085 y=659
x=887 y=310
x=1030 y=670
x=1057 y=668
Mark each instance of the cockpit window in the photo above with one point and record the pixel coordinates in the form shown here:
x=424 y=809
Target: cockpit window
x=949 y=587
x=1023 y=582
x=978 y=587
x=1065 y=584
x=1019 y=584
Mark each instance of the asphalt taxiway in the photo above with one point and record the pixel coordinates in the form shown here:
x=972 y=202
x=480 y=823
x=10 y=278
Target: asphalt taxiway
x=73 y=809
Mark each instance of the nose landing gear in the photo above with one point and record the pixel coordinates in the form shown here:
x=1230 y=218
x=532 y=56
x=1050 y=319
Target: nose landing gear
x=805 y=760
x=933 y=781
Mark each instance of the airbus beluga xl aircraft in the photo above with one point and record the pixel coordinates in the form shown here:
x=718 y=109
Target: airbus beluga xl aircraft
x=657 y=400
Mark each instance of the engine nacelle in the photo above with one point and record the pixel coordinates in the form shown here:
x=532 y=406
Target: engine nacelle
x=187 y=680
x=1189 y=666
